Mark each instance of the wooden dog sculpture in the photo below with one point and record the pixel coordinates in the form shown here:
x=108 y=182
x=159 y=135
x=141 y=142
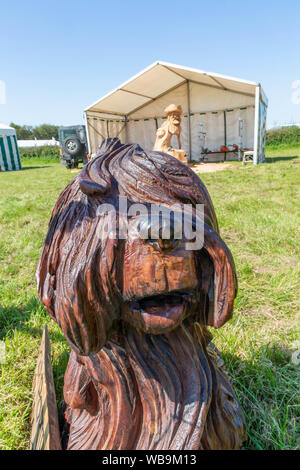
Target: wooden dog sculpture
x=142 y=372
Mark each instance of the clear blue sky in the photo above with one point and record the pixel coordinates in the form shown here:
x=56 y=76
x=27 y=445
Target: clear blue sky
x=57 y=57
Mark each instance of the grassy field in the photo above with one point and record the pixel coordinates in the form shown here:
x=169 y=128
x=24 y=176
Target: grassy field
x=258 y=212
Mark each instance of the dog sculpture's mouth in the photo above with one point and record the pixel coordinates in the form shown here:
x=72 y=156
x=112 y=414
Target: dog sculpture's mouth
x=159 y=313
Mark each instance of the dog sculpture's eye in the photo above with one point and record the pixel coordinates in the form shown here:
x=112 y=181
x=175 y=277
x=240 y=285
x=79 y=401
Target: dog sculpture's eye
x=162 y=244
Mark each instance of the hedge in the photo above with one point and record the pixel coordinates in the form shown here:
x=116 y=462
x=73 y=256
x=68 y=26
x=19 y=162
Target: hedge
x=45 y=152
x=283 y=136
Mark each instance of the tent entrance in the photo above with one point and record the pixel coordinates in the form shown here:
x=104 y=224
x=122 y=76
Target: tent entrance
x=9 y=153
x=213 y=107
x=203 y=133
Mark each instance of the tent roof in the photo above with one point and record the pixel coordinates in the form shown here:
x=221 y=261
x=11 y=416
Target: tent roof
x=160 y=78
x=4 y=126
x=6 y=130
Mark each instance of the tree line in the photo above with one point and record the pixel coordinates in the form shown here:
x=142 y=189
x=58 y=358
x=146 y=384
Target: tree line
x=42 y=132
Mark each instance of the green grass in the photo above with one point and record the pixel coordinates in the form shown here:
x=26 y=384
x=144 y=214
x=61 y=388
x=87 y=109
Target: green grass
x=283 y=146
x=257 y=212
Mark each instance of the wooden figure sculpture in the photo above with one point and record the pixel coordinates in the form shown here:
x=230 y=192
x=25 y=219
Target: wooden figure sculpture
x=142 y=373
x=170 y=127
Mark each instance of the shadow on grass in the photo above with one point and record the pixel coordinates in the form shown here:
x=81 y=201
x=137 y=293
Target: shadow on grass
x=266 y=388
x=280 y=158
x=17 y=319
x=34 y=167
x=59 y=367
x=14 y=318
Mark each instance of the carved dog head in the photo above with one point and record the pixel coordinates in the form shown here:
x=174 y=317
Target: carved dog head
x=90 y=283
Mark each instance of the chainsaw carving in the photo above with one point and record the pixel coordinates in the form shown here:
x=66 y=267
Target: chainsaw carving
x=169 y=128
x=142 y=373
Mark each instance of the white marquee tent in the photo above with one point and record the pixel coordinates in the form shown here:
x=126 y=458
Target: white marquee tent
x=217 y=111
x=9 y=152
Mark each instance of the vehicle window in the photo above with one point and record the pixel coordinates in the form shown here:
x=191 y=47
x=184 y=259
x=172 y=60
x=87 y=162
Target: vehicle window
x=68 y=133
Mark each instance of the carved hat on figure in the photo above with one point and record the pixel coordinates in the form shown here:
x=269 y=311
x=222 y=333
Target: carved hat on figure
x=142 y=373
x=172 y=108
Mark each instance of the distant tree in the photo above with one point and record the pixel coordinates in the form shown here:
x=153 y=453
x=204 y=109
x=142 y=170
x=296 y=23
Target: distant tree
x=42 y=132
x=23 y=132
x=46 y=131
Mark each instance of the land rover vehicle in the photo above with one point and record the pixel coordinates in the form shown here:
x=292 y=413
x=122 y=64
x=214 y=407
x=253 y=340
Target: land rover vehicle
x=73 y=146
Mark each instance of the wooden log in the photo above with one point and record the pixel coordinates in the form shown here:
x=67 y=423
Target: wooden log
x=45 y=433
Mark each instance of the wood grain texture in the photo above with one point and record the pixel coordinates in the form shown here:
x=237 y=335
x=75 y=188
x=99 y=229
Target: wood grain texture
x=143 y=373
x=45 y=433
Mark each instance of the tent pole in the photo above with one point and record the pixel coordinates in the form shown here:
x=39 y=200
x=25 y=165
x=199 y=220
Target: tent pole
x=256 y=125
x=225 y=135
x=87 y=131
x=126 y=130
x=189 y=120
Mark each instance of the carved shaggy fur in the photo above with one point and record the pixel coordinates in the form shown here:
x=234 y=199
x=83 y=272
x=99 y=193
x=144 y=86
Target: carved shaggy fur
x=128 y=384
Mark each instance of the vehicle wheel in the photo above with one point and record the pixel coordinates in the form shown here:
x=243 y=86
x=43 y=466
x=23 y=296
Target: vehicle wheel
x=72 y=145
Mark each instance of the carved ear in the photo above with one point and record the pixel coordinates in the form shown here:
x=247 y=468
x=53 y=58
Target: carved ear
x=223 y=290
x=92 y=182
x=89 y=186
x=76 y=279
